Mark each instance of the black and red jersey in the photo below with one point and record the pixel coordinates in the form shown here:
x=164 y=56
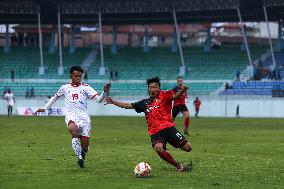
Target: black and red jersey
x=197 y=104
x=157 y=111
x=181 y=99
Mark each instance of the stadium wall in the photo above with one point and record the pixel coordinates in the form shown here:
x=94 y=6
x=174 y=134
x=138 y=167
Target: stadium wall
x=210 y=107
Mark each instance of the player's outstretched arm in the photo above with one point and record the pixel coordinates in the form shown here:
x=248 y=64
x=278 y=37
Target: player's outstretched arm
x=48 y=104
x=180 y=92
x=125 y=105
x=101 y=97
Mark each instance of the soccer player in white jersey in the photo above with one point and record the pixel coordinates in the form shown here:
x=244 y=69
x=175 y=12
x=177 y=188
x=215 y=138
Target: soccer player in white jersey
x=77 y=118
x=10 y=100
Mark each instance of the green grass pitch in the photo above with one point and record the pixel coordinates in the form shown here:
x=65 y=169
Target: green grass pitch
x=35 y=152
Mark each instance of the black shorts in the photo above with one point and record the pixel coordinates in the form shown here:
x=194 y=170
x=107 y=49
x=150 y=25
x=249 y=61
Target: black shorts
x=177 y=109
x=170 y=135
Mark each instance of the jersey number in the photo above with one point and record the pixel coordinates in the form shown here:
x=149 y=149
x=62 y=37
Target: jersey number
x=179 y=136
x=75 y=96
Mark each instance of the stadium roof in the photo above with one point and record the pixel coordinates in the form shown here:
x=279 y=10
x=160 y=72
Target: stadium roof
x=116 y=12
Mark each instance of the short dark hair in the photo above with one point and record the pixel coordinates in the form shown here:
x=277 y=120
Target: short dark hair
x=76 y=68
x=179 y=77
x=154 y=80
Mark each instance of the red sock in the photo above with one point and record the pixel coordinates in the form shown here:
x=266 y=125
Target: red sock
x=167 y=157
x=186 y=123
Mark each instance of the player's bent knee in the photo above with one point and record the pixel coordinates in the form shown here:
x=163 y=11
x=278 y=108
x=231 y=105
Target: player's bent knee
x=74 y=135
x=159 y=147
x=73 y=132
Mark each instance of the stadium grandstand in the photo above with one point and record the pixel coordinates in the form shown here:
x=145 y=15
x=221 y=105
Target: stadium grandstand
x=218 y=46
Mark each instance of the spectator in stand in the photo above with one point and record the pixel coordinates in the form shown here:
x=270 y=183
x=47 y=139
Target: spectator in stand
x=238 y=76
x=12 y=75
x=111 y=75
x=85 y=76
x=269 y=74
x=27 y=92
x=32 y=92
x=227 y=86
x=115 y=75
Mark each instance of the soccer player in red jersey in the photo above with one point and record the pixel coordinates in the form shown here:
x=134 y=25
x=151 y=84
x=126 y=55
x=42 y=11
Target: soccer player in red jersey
x=157 y=109
x=197 y=104
x=180 y=105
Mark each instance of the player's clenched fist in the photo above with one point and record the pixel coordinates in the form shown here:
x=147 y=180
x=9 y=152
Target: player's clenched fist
x=107 y=87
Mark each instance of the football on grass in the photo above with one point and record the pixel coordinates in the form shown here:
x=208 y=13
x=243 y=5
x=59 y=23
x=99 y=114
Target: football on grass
x=142 y=170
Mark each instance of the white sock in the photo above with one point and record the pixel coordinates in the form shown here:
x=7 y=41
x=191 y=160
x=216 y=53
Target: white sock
x=76 y=145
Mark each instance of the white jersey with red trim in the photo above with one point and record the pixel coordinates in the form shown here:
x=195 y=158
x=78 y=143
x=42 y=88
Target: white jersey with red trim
x=76 y=99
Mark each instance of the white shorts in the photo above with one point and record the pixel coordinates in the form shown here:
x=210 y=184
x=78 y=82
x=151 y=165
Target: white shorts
x=84 y=125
